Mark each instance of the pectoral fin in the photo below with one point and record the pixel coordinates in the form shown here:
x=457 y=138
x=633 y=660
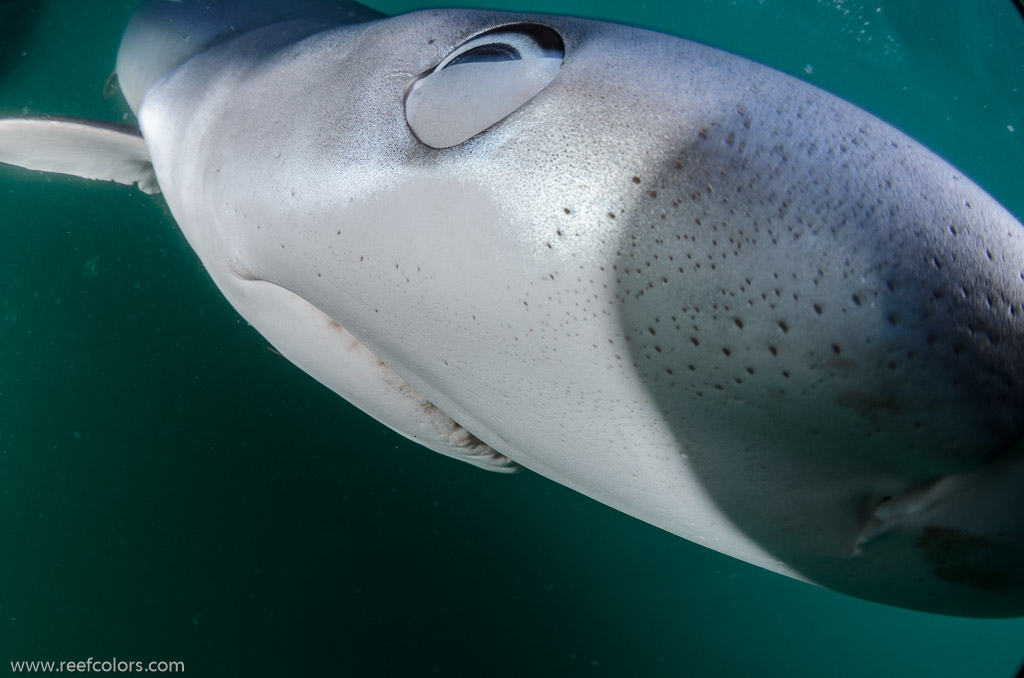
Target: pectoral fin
x=83 y=148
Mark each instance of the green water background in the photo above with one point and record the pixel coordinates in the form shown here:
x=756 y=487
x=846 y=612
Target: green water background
x=171 y=489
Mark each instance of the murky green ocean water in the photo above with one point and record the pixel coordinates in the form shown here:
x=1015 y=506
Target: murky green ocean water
x=171 y=489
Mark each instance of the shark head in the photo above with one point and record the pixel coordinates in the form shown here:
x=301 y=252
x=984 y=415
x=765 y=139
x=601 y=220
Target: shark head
x=689 y=286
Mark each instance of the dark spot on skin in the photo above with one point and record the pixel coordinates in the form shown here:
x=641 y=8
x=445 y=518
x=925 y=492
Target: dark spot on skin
x=774 y=351
x=967 y=559
x=783 y=326
x=856 y=300
x=727 y=352
x=817 y=309
x=836 y=349
x=739 y=323
x=636 y=180
x=695 y=341
x=566 y=210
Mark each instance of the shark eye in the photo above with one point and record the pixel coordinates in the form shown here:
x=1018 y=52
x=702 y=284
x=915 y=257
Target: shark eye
x=490 y=52
x=481 y=82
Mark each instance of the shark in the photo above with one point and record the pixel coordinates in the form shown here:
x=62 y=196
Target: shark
x=691 y=287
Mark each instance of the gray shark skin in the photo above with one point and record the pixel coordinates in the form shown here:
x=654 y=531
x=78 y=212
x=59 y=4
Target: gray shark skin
x=693 y=288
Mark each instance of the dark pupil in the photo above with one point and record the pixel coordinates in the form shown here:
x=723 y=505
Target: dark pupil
x=486 y=54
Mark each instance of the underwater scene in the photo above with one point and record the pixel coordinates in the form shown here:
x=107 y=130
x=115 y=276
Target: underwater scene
x=173 y=490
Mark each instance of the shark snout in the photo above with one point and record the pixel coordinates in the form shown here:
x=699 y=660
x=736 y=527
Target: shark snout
x=843 y=355
x=939 y=389
x=961 y=525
